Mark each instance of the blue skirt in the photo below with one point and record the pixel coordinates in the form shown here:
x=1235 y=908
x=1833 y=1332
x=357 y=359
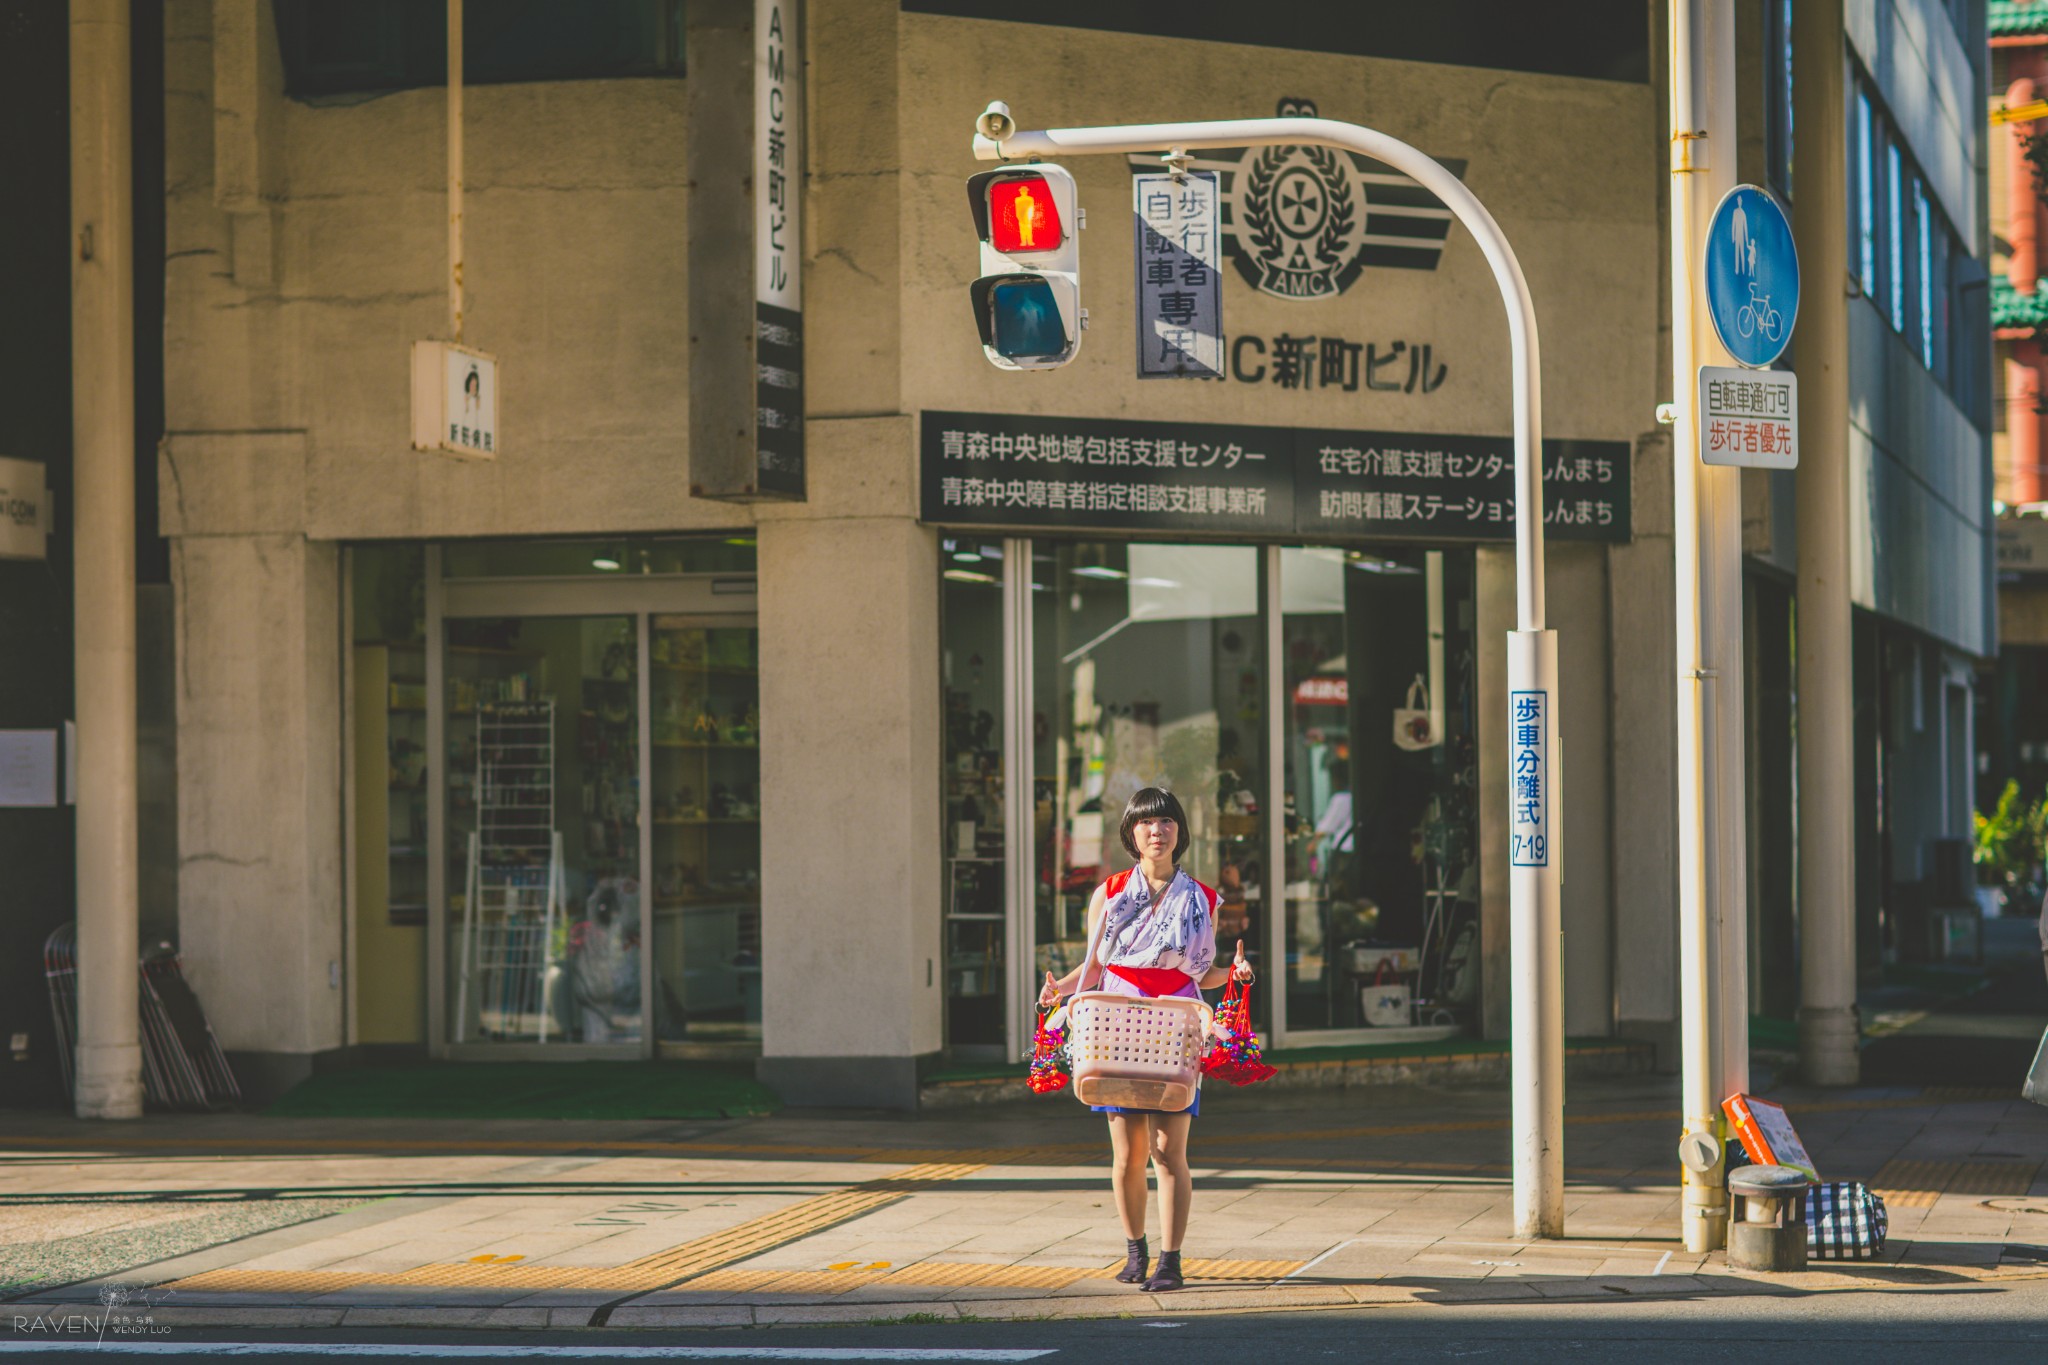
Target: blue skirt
x=1191 y=1111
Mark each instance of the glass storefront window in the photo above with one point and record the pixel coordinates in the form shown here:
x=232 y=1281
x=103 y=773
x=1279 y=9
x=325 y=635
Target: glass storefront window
x=1148 y=671
x=1152 y=664
x=543 y=830
x=971 y=661
x=706 y=794
x=1381 y=773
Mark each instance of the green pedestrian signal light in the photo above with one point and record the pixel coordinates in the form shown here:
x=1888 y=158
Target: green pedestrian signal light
x=1027 y=301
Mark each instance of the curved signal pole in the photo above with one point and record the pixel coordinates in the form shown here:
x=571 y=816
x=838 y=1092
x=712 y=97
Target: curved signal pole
x=1537 y=1031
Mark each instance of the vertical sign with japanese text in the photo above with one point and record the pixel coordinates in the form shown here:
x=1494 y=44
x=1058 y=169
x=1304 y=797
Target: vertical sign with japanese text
x=1529 y=778
x=1178 y=243
x=778 y=285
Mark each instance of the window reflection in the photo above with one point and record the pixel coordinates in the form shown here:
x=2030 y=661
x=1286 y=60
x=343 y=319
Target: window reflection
x=1147 y=662
x=1382 y=887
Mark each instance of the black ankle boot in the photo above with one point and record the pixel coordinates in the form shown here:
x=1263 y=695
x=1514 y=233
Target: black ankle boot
x=1167 y=1276
x=1134 y=1269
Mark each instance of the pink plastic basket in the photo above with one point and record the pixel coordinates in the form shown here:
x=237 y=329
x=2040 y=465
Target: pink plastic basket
x=1136 y=1052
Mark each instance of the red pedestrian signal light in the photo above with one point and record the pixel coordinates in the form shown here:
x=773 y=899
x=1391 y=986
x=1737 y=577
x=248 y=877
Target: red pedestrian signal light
x=1023 y=216
x=1027 y=301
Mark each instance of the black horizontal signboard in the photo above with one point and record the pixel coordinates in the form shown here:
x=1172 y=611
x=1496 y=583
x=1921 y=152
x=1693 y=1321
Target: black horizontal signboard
x=1001 y=469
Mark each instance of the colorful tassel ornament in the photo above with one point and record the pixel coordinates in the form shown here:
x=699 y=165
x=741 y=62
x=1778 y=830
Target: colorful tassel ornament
x=1234 y=1055
x=1048 y=1056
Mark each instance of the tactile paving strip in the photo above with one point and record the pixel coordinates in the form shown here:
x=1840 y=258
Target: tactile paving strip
x=693 y=1258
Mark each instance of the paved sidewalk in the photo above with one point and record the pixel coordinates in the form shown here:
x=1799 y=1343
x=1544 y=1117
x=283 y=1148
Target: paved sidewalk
x=1397 y=1195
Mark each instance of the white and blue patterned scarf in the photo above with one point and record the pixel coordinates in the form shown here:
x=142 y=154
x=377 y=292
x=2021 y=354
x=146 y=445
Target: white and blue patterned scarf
x=1178 y=934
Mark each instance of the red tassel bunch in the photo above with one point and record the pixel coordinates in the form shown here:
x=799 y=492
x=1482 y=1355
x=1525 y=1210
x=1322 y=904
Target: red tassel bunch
x=1234 y=1056
x=1048 y=1056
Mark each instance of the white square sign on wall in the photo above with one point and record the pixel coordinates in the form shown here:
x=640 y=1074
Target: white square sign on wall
x=454 y=400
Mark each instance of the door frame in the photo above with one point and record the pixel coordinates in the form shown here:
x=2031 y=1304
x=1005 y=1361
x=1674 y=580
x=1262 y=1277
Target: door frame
x=732 y=597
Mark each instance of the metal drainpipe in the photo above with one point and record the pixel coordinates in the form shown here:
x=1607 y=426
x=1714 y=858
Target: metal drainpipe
x=103 y=559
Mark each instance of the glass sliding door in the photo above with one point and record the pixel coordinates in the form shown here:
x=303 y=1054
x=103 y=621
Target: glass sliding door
x=542 y=826
x=1148 y=670
x=1382 y=875
x=972 y=657
x=705 y=791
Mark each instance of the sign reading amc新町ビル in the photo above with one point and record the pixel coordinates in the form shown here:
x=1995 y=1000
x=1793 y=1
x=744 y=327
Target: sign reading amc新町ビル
x=778 y=232
x=1026 y=471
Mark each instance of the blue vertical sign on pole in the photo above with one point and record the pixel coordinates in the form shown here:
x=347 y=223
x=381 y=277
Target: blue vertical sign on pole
x=1178 y=237
x=1529 y=778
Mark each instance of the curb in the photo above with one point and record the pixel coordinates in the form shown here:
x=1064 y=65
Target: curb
x=1605 y=1059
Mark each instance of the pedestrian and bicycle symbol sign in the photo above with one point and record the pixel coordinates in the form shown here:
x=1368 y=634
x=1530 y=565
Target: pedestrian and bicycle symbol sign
x=1752 y=276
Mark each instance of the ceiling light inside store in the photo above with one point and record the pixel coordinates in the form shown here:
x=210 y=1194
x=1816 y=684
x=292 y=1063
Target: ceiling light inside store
x=1102 y=571
x=605 y=562
x=1154 y=583
x=966 y=557
x=969 y=576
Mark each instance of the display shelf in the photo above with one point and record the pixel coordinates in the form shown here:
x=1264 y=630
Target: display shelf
x=706 y=820
x=689 y=744
x=714 y=670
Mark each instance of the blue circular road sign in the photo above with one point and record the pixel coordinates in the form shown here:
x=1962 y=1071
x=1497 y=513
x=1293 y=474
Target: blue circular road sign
x=1752 y=273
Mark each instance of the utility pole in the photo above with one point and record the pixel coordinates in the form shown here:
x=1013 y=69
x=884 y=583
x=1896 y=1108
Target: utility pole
x=1707 y=543
x=109 y=1069
x=1535 y=852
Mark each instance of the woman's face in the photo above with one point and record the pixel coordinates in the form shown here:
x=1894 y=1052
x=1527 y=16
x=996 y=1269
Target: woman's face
x=1156 y=837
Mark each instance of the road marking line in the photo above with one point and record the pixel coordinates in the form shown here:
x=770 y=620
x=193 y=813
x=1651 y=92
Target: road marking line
x=404 y=1351
x=1662 y=1261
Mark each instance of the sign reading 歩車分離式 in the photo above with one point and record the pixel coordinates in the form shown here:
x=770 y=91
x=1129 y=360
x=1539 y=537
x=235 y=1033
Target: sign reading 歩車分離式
x=1029 y=472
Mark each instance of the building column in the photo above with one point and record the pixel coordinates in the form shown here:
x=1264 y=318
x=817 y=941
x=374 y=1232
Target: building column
x=260 y=791
x=109 y=1070
x=850 y=818
x=1827 y=830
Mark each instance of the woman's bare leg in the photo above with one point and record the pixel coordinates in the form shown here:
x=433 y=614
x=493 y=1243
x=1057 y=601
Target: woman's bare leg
x=1127 y=1171
x=1169 y=1143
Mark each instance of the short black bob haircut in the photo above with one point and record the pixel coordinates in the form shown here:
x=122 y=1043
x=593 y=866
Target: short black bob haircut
x=1155 y=803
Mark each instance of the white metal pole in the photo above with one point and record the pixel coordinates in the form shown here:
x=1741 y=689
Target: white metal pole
x=455 y=170
x=1537 y=1004
x=109 y=1070
x=1707 y=601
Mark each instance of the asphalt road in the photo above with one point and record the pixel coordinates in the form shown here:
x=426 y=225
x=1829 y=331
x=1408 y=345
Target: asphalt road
x=1984 y=1324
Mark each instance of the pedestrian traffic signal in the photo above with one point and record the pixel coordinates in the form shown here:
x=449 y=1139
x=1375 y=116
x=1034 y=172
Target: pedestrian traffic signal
x=1027 y=302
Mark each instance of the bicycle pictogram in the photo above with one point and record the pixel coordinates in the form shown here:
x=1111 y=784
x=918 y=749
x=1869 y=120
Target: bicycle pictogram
x=1758 y=316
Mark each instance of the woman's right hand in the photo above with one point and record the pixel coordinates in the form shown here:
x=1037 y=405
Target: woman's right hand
x=1050 y=995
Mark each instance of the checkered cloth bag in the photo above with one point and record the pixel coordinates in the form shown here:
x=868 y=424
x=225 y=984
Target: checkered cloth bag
x=1844 y=1222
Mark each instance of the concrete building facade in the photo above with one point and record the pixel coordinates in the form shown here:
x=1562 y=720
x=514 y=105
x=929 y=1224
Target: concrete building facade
x=544 y=755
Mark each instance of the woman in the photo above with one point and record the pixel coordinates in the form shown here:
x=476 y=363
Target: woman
x=1151 y=932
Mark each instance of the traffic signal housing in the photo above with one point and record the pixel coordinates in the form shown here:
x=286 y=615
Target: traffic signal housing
x=1027 y=301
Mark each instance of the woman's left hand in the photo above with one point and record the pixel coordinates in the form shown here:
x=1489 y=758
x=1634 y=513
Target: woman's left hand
x=1240 y=969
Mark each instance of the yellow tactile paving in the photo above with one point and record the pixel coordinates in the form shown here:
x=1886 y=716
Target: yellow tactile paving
x=1993 y=1177
x=1907 y=1184
x=693 y=1258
